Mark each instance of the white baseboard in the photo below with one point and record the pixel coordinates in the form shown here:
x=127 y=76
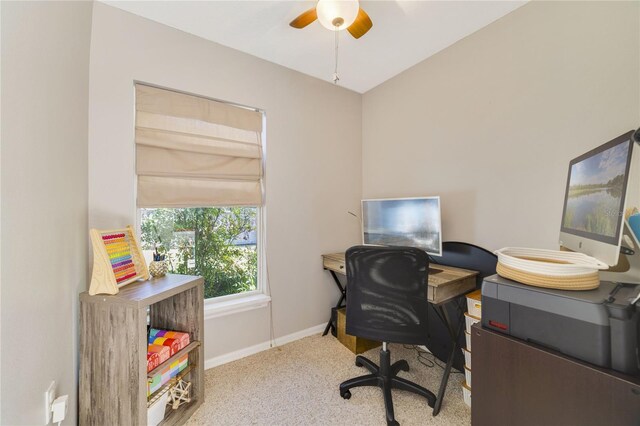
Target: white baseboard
x=251 y=350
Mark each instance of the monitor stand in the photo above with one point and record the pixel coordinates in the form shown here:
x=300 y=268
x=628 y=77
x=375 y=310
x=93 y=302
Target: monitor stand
x=628 y=268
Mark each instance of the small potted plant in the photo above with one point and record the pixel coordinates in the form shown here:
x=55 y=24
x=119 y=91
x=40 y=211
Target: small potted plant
x=158 y=267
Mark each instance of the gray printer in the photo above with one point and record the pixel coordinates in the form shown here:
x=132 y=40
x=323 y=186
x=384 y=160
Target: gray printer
x=600 y=326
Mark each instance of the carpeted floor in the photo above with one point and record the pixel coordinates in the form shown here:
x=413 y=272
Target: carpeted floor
x=297 y=384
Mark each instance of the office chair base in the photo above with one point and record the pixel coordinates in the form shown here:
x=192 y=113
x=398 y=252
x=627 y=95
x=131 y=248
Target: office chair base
x=385 y=377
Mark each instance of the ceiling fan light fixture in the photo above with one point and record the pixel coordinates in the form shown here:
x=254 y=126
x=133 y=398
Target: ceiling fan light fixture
x=337 y=15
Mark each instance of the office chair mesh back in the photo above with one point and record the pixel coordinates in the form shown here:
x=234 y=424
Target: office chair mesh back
x=387 y=294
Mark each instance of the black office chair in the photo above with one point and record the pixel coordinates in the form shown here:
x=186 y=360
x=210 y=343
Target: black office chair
x=466 y=256
x=387 y=302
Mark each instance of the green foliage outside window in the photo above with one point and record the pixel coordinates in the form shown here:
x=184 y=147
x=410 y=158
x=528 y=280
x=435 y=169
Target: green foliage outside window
x=218 y=243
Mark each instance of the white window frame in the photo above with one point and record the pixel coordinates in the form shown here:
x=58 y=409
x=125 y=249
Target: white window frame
x=247 y=300
x=240 y=302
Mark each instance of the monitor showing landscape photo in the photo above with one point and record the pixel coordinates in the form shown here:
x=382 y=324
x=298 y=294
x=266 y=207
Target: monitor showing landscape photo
x=595 y=193
x=413 y=222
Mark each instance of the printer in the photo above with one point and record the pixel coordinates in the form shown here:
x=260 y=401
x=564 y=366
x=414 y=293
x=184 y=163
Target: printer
x=600 y=326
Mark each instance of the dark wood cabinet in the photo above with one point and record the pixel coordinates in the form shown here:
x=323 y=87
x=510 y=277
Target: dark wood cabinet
x=517 y=383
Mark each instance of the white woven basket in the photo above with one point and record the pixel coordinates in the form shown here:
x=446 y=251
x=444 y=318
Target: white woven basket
x=549 y=268
x=549 y=262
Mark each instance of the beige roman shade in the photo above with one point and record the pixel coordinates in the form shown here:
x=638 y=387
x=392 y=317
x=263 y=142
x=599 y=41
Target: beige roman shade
x=195 y=152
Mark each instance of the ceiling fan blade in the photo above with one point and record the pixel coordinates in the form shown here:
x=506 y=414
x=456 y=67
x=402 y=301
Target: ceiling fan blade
x=361 y=25
x=304 y=19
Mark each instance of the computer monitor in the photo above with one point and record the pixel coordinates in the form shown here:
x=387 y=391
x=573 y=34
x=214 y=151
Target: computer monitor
x=413 y=222
x=594 y=201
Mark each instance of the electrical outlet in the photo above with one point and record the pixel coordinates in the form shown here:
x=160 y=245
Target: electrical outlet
x=49 y=397
x=59 y=408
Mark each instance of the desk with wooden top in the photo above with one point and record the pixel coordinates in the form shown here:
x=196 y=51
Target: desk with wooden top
x=446 y=284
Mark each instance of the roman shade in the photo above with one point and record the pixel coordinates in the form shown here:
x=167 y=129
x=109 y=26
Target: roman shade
x=196 y=152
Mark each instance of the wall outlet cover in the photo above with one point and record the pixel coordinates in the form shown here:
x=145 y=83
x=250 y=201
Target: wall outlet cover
x=59 y=408
x=49 y=396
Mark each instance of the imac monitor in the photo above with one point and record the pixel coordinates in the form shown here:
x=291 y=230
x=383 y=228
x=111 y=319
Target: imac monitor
x=413 y=222
x=594 y=200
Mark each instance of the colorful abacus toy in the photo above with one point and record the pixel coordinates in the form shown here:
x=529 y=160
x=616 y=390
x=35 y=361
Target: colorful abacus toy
x=117 y=260
x=120 y=256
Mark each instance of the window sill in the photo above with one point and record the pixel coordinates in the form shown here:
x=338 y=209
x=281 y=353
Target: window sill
x=218 y=308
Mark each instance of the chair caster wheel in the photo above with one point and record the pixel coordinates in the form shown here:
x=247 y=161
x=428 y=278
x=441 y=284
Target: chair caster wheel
x=346 y=394
x=392 y=423
x=358 y=363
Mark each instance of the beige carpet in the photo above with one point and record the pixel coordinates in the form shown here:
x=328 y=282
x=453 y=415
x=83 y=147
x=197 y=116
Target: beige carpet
x=297 y=384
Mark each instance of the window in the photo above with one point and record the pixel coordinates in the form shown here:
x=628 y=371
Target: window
x=218 y=243
x=199 y=167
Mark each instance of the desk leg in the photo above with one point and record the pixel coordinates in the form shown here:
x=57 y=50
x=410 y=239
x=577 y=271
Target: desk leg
x=343 y=296
x=455 y=335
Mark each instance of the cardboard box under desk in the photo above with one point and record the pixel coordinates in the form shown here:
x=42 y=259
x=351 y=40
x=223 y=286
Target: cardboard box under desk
x=357 y=345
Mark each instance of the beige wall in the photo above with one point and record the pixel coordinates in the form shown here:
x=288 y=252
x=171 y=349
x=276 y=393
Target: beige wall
x=313 y=158
x=491 y=123
x=45 y=81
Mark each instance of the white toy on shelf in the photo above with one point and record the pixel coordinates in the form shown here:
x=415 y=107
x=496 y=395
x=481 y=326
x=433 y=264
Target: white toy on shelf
x=179 y=394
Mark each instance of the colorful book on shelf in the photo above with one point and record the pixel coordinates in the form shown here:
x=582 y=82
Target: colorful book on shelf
x=163 y=351
x=168 y=372
x=153 y=360
x=182 y=338
x=172 y=344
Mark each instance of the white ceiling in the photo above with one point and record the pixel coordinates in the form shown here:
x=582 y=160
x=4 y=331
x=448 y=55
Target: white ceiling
x=403 y=34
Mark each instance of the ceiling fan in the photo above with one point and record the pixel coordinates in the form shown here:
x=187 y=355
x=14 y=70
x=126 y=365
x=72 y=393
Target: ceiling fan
x=337 y=15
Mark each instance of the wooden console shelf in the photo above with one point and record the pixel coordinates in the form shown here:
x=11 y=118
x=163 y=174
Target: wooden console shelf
x=113 y=348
